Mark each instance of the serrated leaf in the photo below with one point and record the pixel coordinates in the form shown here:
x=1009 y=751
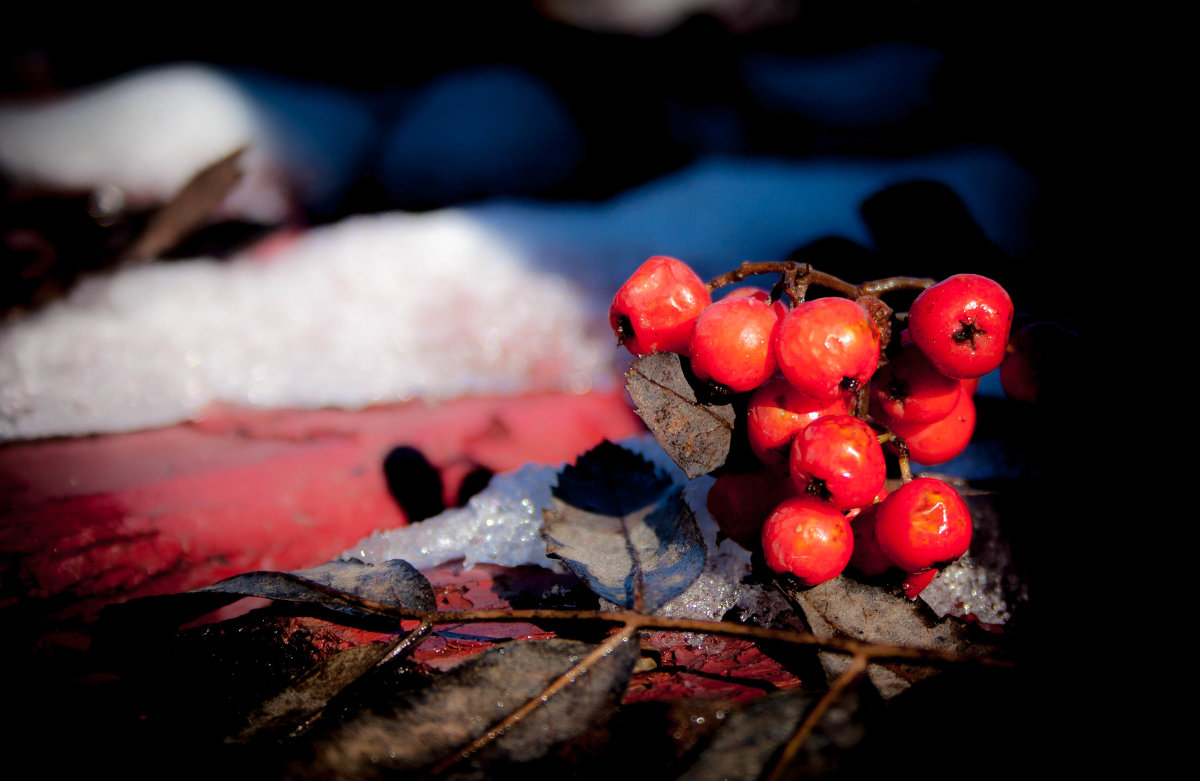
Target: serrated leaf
x=624 y=528
x=443 y=719
x=694 y=430
x=844 y=607
x=395 y=583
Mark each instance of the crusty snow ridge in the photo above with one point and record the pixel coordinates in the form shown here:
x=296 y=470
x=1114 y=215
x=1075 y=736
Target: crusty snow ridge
x=375 y=309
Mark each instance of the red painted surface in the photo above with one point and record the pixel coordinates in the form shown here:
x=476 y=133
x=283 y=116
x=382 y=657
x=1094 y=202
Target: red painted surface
x=91 y=520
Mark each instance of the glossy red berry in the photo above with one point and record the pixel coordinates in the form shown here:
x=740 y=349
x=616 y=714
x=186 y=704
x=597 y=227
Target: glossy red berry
x=777 y=412
x=741 y=501
x=656 y=307
x=923 y=524
x=838 y=458
x=911 y=390
x=915 y=582
x=941 y=440
x=867 y=558
x=731 y=343
x=827 y=346
x=962 y=324
x=749 y=291
x=808 y=538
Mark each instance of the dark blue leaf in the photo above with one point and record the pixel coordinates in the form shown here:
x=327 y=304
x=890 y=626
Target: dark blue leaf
x=622 y=527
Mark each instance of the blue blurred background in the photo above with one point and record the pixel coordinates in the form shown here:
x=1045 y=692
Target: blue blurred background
x=925 y=136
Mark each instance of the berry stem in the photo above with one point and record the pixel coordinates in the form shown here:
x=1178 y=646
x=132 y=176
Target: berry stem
x=906 y=475
x=891 y=284
x=798 y=276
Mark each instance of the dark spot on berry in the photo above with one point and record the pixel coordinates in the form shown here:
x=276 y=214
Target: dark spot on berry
x=816 y=487
x=966 y=333
x=624 y=329
x=897 y=390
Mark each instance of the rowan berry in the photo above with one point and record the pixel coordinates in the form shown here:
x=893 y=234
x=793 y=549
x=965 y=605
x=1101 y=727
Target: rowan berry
x=962 y=324
x=867 y=557
x=808 y=538
x=923 y=524
x=749 y=291
x=741 y=501
x=656 y=307
x=911 y=390
x=827 y=346
x=777 y=412
x=941 y=440
x=915 y=582
x=838 y=458
x=731 y=343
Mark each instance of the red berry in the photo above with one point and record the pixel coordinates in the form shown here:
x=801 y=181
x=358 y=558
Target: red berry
x=750 y=291
x=962 y=324
x=838 y=458
x=808 y=538
x=1041 y=359
x=656 y=307
x=910 y=389
x=923 y=524
x=777 y=412
x=827 y=346
x=941 y=440
x=740 y=501
x=731 y=343
x=867 y=557
x=915 y=582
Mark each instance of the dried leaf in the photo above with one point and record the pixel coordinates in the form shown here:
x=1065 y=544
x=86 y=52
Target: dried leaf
x=695 y=430
x=395 y=583
x=443 y=719
x=188 y=209
x=313 y=691
x=621 y=526
x=844 y=607
x=751 y=738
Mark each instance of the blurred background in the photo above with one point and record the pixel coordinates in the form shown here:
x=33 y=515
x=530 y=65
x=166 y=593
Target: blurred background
x=565 y=100
x=339 y=206
x=563 y=140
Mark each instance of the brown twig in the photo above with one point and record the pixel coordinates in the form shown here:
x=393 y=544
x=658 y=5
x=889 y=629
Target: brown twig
x=638 y=621
x=810 y=720
x=558 y=684
x=803 y=274
x=399 y=646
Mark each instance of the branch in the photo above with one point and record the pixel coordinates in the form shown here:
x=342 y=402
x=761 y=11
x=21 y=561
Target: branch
x=809 y=722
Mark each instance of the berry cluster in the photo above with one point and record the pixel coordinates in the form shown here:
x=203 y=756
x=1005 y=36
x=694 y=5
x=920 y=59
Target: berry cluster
x=826 y=391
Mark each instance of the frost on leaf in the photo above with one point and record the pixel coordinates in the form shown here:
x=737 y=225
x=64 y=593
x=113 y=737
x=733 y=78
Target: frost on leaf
x=693 y=429
x=623 y=527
